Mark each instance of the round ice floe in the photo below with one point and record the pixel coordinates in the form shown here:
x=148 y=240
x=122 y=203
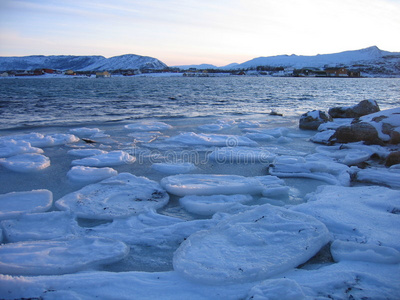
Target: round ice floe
x=341 y=250
x=242 y=155
x=145 y=136
x=209 y=205
x=120 y=196
x=85 y=132
x=250 y=246
x=148 y=126
x=40 y=226
x=365 y=215
x=59 y=256
x=40 y=140
x=209 y=184
x=12 y=147
x=16 y=203
x=89 y=174
x=113 y=158
x=174 y=168
x=29 y=162
x=218 y=140
x=86 y=152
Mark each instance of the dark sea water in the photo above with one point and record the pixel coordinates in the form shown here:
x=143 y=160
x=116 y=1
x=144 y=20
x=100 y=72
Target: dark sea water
x=82 y=101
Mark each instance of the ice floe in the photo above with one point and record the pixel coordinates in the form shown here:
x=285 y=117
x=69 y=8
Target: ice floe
x=241 y=155
x=84 y=132
x=40 y=226
x=275 y=132
x=210 y=184
x=345 y=156
x=249 y=124
x=120 y=196
x=16 y=203
x=12 y=147
x=41 y=140
x=113 y=158
x=388 y=177
x=25 y=163
x=148 y=126
x=277 y=289
x=343 y=250
x=86 y=152
x=59 y=256
x=145 y=136
x=311 y=167
x=88 y=174
x=218 y=140
x=250 y=246
x=174 y=168
x=217 y=126
x=365 y=215
x=209 y=205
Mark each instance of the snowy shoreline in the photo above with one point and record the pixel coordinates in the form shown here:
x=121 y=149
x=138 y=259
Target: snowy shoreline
x=227 y=209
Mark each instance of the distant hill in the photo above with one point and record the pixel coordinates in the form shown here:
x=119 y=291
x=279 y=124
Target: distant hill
x=80 y=63
x=200 y=67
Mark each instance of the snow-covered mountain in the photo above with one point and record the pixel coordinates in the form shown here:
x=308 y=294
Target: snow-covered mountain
x=368 y=57
x=80 y=63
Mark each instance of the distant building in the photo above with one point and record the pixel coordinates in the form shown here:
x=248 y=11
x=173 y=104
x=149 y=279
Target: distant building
x=70 y=72
x=49 y=71
x=104 y=74
x=337 y=72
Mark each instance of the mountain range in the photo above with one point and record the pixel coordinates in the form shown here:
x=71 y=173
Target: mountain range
x=370 y=60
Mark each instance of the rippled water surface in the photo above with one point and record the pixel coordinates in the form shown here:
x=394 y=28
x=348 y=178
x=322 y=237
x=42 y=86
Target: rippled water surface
x=39 y=102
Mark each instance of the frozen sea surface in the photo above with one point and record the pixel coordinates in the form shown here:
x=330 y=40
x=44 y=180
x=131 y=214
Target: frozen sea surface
x=186 y=188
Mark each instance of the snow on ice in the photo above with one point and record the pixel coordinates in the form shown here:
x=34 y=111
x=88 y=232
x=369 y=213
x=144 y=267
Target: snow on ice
x=83 y=174
x=174 y=168
x=148 y=126
x=29 y=162
x=113 y=158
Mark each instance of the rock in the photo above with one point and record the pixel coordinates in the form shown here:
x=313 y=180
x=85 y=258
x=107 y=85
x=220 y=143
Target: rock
x=393 y=159
x=312 y=119
x=363 y=108
x=355 y=133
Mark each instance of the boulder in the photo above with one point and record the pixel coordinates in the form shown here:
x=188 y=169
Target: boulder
x=312 y=119
x=363 y=108
x=393 y=159
x=355 y=133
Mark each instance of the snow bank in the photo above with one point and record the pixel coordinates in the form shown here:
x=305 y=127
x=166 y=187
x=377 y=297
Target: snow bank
x=12 y=147
x=209 y=205
x=15 y=204
x=365 y=215
x=218 y=140
x=40 y=226
x=88 y=174
x=25 y=163
x=208 y=184
x=148 y=126
x=174 y=168
x=59 y=256
x=113 y=158
x=120 y=196
x=250 y=246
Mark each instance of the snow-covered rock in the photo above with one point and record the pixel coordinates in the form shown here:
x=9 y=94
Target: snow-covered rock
x=89 y=175
x=210 y=184
x=15 y=204
x=363 y=108
x=313 y=119
x=59 y=256
x=250 y=246
x=113 y=158
x=120 y=196
x=25 y=163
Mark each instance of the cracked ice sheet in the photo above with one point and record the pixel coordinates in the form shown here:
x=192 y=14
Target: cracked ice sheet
x=210 y=184
x=365 y=215
x=119 y=196
x=250 y=246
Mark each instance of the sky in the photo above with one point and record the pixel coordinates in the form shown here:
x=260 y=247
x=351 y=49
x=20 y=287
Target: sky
x=183 y=32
